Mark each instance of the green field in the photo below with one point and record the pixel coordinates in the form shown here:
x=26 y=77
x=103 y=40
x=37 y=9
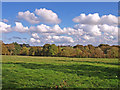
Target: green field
x=61 y=72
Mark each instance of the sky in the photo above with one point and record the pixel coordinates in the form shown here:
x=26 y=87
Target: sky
x=60 y=23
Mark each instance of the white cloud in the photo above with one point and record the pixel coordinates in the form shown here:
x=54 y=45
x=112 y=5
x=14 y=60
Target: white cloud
x=60 y=39
x=111 y=37
x=35 y=35
x=81 y=33
x=38 y=41
x=20 y=28
x=97 y=29
x=43 y=28
x=92 y=30
x=109 y=19
x=33 y=40
x=55 y=30
x=72 y=31
x=97 y=33
x=5 y=27
x=47 y=16
x=87 y=19
x=49 y=37
x=44 y=16
x=96 y=19
x=86 y=37
x=30 y=17
x=109 y=30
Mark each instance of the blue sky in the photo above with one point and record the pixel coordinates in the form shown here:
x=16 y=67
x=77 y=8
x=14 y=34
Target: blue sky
x=65 y=11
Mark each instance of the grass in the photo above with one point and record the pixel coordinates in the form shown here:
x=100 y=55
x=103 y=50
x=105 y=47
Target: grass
x=59 y=72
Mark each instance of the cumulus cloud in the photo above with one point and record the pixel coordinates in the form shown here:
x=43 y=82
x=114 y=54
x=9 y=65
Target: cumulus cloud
x=98 y=29
x=86 y=37
x=96 y=19
x=72 y=31
x=5 y=27
x=87 y=19
x=43 y=28
x=110 y=31
x=109 y=19
x=47 y=16
x=46 y=29
x=50 y=34
x=43 y=16
x=58 y=39
x=33 y=40
x=92 y=30
x=35 y=35
x=98 y=33
x=30 y=17
x=63 y=39
x=20 y=28
x=81 y=33
x=55 y=30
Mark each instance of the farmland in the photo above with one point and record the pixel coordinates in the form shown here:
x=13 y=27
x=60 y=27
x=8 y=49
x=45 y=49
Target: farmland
x=59 y=72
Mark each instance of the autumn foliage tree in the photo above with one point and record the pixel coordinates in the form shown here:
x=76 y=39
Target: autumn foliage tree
x=17 y=49
x=52 y=50
x=79 y=51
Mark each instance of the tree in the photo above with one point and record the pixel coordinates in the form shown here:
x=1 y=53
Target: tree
x=78 y=53
x=31 y=51
x=17 y=49
x=113 y=52
x=35 y=51
x=45 y=49
x=24 y=51
x=103 y=45
x=91 y=50
x=68 y=52
x=4 y=50
x=11 y=48
x=59 y=51
x=38 y=51
x=98 y=53
x=52 y=50
x=79 y=46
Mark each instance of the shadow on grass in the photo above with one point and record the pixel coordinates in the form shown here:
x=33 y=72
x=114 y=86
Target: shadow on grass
x=11 y=83
x=89 y=62
x=80 y=70
x=12 y=86
x=9 y=86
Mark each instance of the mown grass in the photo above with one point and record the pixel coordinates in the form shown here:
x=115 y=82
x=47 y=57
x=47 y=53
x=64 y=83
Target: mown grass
x=59 y=72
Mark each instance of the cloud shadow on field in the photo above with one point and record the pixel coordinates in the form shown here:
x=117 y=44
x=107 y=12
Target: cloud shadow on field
x=80 y=70
x=98 y=62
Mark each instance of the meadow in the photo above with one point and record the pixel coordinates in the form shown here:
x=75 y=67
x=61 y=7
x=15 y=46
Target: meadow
x=59 y=72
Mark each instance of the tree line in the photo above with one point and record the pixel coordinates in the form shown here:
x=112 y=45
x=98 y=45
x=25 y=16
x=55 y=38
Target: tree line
x=79 y=51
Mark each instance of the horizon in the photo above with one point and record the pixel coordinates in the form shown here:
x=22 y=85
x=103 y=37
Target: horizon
x=56 y=45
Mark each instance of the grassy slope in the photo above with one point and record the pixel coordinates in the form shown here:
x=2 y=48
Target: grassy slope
x=51 y=72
